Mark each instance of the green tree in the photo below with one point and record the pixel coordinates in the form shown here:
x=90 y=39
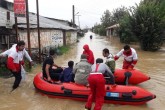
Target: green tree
x=106 y=19
x=99 y=29
x=125 y=30
x=118 y=14
x=148 y=22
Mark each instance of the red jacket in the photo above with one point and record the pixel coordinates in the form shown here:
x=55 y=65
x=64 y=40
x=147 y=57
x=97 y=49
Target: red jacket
x=130 y=57
x=15 y=57
x=13 y=61
x=89 y=54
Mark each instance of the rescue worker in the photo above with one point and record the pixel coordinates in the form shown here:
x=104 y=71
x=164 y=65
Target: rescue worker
x=97 y=84
x=24 y=54
x=130 y=57
x=15 y=61
x=89 y=54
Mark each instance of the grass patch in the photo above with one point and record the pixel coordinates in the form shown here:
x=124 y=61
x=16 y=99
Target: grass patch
x=27 y=66
x=63 y=50
x=4 y=72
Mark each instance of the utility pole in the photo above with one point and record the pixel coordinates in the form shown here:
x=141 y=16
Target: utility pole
x=78 y=20
x=73 y=15
x=38 y=27
x=8 y=37
x=28 y=30
x=16 y=29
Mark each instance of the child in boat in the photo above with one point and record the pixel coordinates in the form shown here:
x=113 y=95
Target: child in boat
x=67 y=74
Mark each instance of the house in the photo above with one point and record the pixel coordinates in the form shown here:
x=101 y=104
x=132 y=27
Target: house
x=111 y=31
x=53 y=32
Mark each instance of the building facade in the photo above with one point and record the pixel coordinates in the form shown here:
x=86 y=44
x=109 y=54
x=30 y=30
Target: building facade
x=53 y=32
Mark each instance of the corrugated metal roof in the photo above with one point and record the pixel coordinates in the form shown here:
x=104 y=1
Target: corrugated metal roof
x=44 y=22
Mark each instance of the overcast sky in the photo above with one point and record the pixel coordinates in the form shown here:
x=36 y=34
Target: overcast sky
x=90 y=11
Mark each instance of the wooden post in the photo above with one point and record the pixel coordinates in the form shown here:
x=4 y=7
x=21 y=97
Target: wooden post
x=38 y=27
x=28 y=30
x=16 y=29
x=8 y=39
x=64 y=38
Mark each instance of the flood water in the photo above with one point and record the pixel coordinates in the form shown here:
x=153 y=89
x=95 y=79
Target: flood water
x=26 y=98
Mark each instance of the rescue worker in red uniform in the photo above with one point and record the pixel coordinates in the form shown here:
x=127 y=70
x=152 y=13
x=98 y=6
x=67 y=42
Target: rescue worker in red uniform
x=89 y=54
x=15 y=60
x=130 y=57
x=97 y=84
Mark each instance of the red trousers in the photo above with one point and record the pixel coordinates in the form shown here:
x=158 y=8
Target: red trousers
x=97 y=86
x=126 y=64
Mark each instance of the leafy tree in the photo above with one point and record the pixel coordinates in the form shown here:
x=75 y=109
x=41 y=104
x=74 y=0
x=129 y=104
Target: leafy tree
x=125 y=33
x=119 y=14
x=147 y=23
x=106 y=19
x=109 y=19
x=99 y=29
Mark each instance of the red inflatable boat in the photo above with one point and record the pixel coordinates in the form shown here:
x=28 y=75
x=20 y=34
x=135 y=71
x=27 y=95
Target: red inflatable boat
x=124 y=76
x=117 y=95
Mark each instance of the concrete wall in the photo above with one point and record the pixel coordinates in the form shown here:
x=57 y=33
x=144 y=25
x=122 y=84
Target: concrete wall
x=111 y=32
x=71 y=37
x=49 y=38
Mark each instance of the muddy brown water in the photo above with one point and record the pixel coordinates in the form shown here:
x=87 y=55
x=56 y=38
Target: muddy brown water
x=26 y=98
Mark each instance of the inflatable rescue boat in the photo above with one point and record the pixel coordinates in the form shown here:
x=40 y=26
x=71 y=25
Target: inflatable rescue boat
x=117 y=95
x=124 y=76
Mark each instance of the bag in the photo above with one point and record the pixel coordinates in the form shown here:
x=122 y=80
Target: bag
x=23 y=73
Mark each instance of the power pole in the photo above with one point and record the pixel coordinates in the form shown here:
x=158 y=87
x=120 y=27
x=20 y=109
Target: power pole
x=73 y=15
x=78 y=21
x=16 y=29
x=8 y=37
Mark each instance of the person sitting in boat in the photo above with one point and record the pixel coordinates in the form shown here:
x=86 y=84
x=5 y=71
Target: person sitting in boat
x=89 y=54
x=67 y=74
x=82 y=70
x=97 y=84
x=110 y=62
x=49 y=73
x=130 y=57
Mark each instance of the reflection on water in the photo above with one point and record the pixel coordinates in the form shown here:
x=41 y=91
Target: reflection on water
x=26 y=98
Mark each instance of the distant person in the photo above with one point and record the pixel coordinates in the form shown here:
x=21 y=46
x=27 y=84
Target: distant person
x=97 y=84
x=130 y=57
x=49 y=73
x=110 y=62
x=91 y=36
x=81 y=71
x=15 y=61
x=89 y=54
x=67 y=74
